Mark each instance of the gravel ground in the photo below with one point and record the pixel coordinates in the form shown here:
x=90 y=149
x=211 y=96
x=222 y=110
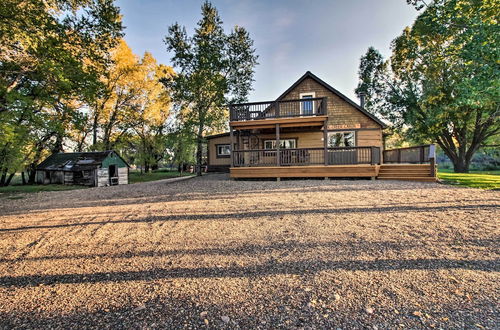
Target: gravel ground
x=210 y=252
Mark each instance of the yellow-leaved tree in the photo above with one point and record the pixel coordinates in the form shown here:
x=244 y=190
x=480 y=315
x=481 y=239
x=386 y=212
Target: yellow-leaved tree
x=133 y=108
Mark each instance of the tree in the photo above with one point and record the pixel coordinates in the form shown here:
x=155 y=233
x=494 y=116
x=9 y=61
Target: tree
x=372 y=71
x=120 y=88
x=181 y=145
x=49 y=54
x=214 y=69
x=442 y=82
x=133 y=106
x=151 y=111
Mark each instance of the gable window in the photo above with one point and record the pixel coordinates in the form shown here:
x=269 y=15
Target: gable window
x=284 y=144
x=341 y=139
x=307 y=106
x=223 y=150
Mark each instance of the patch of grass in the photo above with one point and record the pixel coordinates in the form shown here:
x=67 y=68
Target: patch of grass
x=18 y=189
x=136 y=176
x=474 y=179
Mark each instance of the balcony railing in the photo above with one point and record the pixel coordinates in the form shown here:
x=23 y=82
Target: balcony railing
x=306 y=156
x=278 y=109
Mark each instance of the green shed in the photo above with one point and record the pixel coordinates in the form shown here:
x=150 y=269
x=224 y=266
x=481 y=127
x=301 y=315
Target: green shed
x=98 y=169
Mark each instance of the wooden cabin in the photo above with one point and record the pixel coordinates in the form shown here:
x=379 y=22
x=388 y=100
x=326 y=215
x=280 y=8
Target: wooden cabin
x=97 y=169
x=311 y=130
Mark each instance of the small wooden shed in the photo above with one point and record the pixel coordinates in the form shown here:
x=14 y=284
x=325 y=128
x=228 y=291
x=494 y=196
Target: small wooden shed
x=98 y=169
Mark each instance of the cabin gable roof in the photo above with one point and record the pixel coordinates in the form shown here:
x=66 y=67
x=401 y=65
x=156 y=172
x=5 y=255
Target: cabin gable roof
x=309 y=74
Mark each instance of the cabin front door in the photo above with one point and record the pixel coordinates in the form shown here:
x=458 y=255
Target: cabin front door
x=113 y=175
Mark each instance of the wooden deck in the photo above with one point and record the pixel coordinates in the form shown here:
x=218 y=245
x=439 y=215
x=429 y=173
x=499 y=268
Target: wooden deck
x=406 y=172
x=305 y=171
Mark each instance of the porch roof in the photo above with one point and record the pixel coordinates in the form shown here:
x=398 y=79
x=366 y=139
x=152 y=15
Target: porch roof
x=316 y=121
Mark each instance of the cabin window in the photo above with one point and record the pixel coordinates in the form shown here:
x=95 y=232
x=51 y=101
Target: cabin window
x=307 y=106
x=284 y=144
x=223 y=150
x=341 y=139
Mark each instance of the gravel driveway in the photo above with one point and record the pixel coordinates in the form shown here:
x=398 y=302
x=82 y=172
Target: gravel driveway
x=210 y=252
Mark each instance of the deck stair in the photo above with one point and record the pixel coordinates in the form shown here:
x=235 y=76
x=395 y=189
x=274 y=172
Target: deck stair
x=406 y=172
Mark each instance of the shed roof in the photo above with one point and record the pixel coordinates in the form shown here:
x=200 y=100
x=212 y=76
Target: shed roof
x=72 y=161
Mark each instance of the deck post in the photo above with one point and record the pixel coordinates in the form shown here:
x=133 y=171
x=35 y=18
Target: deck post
x=432 y=159
x=238 y=140
x=231 y=145
x=325 y=142
x=278 y=156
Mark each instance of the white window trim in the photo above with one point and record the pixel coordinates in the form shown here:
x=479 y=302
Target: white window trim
x=343 y=132
x=302 y=103
x=220 y=146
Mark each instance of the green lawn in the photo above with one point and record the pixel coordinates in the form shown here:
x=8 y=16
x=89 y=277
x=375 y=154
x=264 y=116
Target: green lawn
x=136 y=176
x=17 y=189
x=474 y=179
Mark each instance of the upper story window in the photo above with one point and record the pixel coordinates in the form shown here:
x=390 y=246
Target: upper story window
x=341 y=139
x=307 y=106
x=284 y=144
x=223 y=150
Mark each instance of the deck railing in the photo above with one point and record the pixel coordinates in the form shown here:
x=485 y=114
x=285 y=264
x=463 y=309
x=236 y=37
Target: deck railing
x=278 y=109
x=306 y=156
x=411 y=155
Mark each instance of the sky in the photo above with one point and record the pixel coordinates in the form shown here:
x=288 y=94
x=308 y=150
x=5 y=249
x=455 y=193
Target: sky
x=291 y=37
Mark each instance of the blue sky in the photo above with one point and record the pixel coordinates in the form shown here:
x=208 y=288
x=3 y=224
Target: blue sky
x=291 y=37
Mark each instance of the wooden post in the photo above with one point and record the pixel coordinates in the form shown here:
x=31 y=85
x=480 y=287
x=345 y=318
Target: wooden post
x=422 y=157
x=238 y=140
x=278 y=160
x=231 y=145
x=277 y=103
x=372 y=149
x=432 y=159
x=325 y=142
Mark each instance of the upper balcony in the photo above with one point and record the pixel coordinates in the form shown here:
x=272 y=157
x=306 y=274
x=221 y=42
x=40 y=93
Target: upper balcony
x=300 y=112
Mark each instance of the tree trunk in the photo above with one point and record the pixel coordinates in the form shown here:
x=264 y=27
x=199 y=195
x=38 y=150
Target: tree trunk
x=461 y=165
x=23 y=177
x=9 y=179
x=199 y=151
x=32 y=176
x=3 y=177
x=58 y=145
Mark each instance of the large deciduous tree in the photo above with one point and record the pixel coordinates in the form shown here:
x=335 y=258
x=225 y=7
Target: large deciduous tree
x=133 y=107
x=50 y=52
x=442 y=82
x=214 y=69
